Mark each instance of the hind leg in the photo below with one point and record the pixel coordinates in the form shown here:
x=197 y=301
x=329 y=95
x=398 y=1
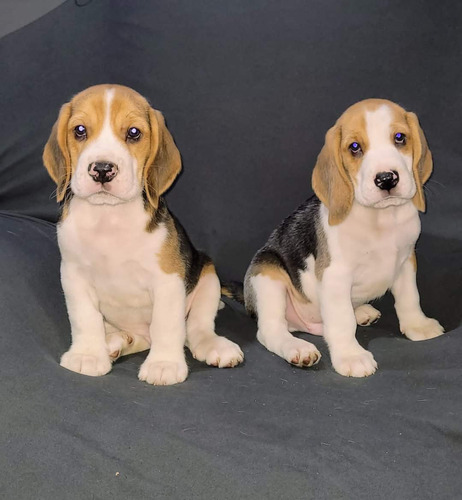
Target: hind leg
x=201 y=339
x=120 y=343
x=366 y=315
x=273 y=330
x=123 y=343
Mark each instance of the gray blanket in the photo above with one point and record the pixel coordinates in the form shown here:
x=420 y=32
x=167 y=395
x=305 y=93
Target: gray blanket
x=248 y=90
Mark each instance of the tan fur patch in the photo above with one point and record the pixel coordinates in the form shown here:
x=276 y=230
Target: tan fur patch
x=164 y=162
x=323 y=255
x=56 y=156
x=207 y=269
x=276 y=273
x=413 y=259
x=226 y=292
x=331 y=181
x=422 y=161
x=170 y=258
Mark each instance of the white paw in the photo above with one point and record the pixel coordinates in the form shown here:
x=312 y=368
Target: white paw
x=163 y=372
x=356 y=363
x=218 y=351
x=366 y=315
x=299 y=352
x=423 y=329
x=86 y=364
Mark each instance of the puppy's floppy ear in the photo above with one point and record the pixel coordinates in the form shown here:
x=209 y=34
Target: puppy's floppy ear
x=330 y=180
x=422 y=162
x=56 y=157
x=164 y=162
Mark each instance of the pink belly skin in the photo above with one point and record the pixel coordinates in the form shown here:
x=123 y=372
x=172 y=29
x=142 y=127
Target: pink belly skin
x=300 y=318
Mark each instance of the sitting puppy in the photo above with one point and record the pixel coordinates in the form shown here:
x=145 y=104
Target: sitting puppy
x=348 y=244
x=131 y=277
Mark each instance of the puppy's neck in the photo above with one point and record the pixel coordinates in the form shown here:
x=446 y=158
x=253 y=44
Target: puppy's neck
x=379 y=217
x=92 y=215
x=134 y=213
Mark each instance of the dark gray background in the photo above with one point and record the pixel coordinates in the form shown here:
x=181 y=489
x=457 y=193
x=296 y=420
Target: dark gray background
x=249 y=89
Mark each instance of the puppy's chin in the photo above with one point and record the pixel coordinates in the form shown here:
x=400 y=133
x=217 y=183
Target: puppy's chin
x=107 y=195
x=104 y=198
x=390 y=201
x=384 y=199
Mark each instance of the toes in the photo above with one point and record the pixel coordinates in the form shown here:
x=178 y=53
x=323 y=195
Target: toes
x=370 y=321
x=425 y=329
x=163 y=372
x=86 y=364
x=213 y=358
x=300 y=353
x=360 y=364
x=219 y=351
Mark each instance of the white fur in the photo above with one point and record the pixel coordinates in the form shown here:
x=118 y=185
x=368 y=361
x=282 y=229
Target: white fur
x=383 y=156
x=202 y=341
x=110 y=272
x=273 y=329
x=369 y=254
x=118 y=297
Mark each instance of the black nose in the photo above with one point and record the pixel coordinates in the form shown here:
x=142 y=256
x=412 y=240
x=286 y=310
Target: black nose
x=102 y=171
x=386 y=180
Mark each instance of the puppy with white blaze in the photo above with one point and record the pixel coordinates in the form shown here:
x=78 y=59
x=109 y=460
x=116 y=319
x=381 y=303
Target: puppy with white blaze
x=131 y=277
x=348 y=244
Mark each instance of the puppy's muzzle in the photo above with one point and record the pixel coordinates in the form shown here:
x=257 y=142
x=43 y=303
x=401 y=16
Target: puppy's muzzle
x=102 y=171
x=386 y=180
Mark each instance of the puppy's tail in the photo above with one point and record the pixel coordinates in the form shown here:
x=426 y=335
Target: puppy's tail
x=233 y=290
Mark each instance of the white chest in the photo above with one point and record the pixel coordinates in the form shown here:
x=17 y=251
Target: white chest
x=373 y=245
x=116 y=256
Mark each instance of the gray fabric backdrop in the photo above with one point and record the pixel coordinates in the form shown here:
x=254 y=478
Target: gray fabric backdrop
x=249 y=90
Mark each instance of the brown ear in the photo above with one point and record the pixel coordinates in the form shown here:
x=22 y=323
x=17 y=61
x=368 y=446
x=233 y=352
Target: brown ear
x=330 y=180
x=164 y=162
x=422 y=162
x=56 y=156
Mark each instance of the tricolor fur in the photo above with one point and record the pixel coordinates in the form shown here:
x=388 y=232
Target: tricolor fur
x=348 y=244
x=131 y=277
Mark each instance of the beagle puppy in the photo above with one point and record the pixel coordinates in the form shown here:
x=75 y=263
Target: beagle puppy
x=348 y=244
x=131 y=277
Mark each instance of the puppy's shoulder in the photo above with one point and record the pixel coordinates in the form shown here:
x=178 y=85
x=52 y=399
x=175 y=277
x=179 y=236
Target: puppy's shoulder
x=296 y=238
x=178 y=254
x=292 y=242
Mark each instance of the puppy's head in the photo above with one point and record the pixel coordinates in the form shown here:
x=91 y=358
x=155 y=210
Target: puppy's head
x=108 y=146
x=376 y=154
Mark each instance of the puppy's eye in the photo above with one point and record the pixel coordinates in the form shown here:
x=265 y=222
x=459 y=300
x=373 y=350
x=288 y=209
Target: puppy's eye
x=133 y=134
x=355 y=148
x=80 y=132
x=400 y=139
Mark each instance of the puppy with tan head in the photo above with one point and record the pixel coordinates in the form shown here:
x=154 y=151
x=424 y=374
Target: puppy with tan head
x=131 y=277
x=348 y=244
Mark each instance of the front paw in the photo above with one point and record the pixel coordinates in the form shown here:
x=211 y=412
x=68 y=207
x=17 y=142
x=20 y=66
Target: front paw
x=163 y=372
x=300 y=353
x=422 y=329
x=356 y=363
x=218 y=351
x=86 y=364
